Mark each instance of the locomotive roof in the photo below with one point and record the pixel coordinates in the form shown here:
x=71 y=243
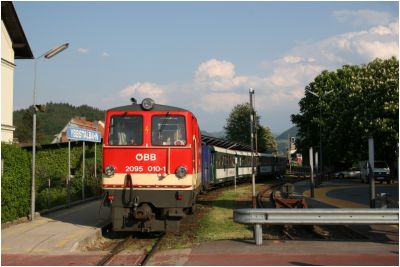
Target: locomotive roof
x=156 y=107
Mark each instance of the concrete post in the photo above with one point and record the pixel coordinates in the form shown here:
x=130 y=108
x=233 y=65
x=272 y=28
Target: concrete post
x=258 y=234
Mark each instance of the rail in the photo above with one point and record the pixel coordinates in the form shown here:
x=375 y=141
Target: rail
x=313 y=216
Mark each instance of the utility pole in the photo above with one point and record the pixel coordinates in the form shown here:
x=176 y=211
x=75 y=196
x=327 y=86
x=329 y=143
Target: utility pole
x=252 y=139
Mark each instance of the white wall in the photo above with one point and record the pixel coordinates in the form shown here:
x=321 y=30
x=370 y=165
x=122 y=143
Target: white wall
x=7 y=85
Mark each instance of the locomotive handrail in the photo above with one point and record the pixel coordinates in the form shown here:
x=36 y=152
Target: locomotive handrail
x=169 y=160
x=313 y=216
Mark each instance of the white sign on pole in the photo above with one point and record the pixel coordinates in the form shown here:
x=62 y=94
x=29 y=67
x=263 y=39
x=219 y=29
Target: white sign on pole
x=80 y=134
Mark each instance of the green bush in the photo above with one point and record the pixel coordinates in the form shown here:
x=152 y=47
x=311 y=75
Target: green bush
x=52 y=164
x=15 y=183
x=50 y=178
x=52 y=197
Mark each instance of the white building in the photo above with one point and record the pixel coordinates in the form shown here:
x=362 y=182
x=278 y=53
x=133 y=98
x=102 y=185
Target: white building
x=14 y=45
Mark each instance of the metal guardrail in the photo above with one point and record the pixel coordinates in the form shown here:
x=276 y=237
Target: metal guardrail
x=313 y=216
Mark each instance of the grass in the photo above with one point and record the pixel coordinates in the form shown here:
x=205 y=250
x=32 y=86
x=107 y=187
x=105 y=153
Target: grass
x=215 y=222
x=218 y=223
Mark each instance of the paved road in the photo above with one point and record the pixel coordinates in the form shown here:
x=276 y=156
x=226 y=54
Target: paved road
x=359 y=193
x=58 y=232
x=240 y=253
x=52 y=240
x=345 y=193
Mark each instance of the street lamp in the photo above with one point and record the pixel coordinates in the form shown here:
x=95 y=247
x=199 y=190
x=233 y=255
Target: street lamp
x=49 y=54
x=320 y=127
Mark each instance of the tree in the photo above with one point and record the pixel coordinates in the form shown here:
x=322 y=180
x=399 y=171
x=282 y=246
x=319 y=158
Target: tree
x=363 y=103
x=24 y=128
x=270 y=141
x=237 y=129
x=52 y=121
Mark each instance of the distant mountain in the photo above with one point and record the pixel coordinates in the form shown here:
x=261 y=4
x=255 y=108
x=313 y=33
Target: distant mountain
x=282 y=139
x=52 y=121
x=292 y=132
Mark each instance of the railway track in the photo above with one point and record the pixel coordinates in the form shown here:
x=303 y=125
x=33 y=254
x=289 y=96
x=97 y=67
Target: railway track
x=113 y=252
x=154 y=248
x=305 y=232
x=123 y=246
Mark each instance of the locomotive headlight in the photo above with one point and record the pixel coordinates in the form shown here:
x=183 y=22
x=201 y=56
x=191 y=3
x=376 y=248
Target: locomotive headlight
x=181 y=172
x=148 y=103
x=110 y=170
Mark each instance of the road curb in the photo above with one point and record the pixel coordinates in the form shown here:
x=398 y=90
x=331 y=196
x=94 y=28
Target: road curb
x=90 y=239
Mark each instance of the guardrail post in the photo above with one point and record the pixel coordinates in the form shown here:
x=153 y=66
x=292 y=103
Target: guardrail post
x=258 y=234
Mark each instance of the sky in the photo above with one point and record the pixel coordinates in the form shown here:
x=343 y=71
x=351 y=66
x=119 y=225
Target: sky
x=201 y=56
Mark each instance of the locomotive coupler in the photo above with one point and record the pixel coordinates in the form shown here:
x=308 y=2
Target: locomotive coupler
x=144 y=212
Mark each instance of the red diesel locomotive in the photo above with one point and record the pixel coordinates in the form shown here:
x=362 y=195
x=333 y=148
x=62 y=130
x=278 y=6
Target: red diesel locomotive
x=151 y=165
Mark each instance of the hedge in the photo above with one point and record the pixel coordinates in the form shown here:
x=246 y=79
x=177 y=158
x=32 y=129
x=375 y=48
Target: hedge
x=52 y=166
x=15 y=183
x=50 y=178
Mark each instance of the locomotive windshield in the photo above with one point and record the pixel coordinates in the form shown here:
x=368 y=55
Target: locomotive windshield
x=168 y=130
x=126 y=131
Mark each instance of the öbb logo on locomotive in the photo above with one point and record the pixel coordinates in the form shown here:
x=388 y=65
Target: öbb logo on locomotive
x=146 y=157
x=155 y=164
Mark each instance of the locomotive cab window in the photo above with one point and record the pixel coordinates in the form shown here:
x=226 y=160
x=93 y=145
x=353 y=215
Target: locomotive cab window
x=126 y=131
x=168 y=130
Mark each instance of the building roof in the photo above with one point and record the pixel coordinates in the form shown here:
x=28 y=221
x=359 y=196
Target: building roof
x=79 y=122
x=14 y=28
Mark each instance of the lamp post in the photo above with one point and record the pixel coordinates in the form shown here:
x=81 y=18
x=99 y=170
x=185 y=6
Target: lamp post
x=320 y=127
x=49 y=54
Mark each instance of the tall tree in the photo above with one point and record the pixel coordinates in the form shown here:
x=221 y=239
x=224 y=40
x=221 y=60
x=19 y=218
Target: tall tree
x=237 y=129
x=24 y=128
x=362 y=103
x=270 y=141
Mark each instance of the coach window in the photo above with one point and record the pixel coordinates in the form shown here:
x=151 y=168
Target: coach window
x=168 y=130
x=126 y=131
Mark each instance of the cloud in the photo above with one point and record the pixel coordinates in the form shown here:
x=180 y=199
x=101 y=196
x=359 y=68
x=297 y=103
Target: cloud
x=143 y=90
x=105 y=54
x=292 y=59
x=284 y=83
x=289 y=75
x=83 y=50
x=362 y=17
x=353 y=47
x=217 y=75
x=220 y=101
x=216 y=87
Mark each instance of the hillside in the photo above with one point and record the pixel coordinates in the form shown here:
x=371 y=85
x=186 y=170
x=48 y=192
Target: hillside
x=289 y=132
x=282 y=139
x=52 y=121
